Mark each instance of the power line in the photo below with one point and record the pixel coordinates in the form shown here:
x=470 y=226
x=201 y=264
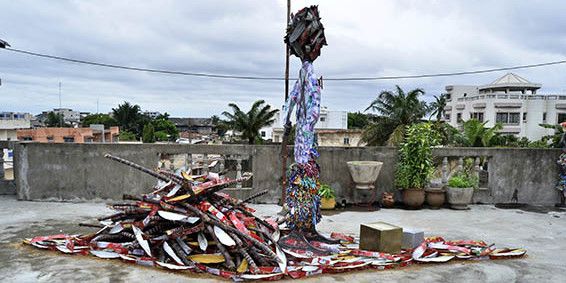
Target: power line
x=241 y=77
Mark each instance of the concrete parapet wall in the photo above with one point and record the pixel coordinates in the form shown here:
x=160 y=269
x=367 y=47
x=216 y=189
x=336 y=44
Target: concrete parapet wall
x=80 y=171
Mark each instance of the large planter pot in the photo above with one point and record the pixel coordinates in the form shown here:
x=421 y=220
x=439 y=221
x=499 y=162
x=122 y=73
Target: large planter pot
x=413 y=198
x=327 y=203
x=435 y=197
x=364 y=173
x=459 y=198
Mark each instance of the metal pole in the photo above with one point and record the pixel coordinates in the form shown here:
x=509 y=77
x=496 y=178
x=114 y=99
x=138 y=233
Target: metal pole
x=284 y=156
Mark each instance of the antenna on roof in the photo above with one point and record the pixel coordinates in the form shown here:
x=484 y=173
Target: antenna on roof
x=59 y=95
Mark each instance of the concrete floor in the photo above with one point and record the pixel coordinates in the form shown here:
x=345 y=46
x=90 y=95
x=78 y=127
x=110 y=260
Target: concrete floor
x=543 y=233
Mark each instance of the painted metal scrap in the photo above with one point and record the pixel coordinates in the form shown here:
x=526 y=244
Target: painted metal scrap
x=187 y=225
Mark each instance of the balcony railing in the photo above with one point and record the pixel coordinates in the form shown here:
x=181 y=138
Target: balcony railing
x=513 y=96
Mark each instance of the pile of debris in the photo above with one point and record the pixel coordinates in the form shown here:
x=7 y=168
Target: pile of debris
x=186 y=223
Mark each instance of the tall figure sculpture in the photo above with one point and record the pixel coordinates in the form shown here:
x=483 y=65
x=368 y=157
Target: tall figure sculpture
x=561 y=187
x=305 y=37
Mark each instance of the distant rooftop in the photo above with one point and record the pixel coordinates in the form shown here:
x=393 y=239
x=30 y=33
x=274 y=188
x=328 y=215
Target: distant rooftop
x=511 y=81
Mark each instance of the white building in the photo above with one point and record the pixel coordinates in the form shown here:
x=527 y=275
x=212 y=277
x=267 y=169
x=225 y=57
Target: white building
x=510 y=100
x=152 y=114
x=11 y=122
x=69 y=115
x=330 y=120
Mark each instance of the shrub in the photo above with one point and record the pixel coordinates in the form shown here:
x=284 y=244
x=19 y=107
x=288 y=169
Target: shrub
x=415 y=157
x=463 y=180
x=326 y=191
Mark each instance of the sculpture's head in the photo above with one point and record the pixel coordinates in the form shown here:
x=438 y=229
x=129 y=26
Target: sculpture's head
x=305 y=34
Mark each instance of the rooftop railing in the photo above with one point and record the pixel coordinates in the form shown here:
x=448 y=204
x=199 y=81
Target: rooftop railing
x=513 y=96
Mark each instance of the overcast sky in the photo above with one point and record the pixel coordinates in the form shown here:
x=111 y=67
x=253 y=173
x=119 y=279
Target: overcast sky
x=365 y=38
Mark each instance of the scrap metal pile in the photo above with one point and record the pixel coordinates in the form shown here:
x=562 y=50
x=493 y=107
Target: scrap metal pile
x=186 y=224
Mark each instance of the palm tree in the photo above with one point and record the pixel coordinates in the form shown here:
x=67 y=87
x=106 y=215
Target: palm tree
x=437 y=106
x=128 y=116
x=476 y=134
x=398 y=110
x=249 y=124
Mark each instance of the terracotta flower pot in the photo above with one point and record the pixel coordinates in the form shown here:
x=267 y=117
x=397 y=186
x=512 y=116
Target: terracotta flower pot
x=327 y=203
x=387 y=200
x=413 y=198
x=435 y=197
x=459 y=198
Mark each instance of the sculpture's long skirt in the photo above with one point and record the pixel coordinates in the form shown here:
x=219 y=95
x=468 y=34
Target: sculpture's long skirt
x=302 y=199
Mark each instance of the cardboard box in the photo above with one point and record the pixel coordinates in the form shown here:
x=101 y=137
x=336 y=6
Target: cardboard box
x=381 y=236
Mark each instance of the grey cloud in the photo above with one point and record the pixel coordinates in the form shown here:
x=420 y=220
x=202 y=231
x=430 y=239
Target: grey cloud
x=366 y=38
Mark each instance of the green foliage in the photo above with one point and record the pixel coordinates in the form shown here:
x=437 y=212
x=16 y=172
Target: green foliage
x=165 y=127
x=415 y=157
x=161 y=136
x=55 y=120
x=104 y=119
x=127 y=136
x=357 y=120
x=221 y=126
x=398 y=110
x=129 y=118
x=463 y=179
x=448 y=135
x=437 y=106
x=542 y=143
x=476 y=134
x=148 y=135
x=554 y=139
x=326 y=191
x=249 y=123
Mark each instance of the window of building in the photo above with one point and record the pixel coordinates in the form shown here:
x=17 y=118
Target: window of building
x=459 y=117
x=508 y=118
x=524 y=116
x=69 y=139
x=263 y=134
x=477 y=115
x=446 y=116
x=49 y=138
x=544 y=117
x=561 y=118
x=322 y=119
x=346 y=140
x=28 y=138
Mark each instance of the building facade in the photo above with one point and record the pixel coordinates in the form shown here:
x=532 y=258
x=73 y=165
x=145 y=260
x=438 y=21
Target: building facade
x=11 y=122
x=510 y=100
x=330 y=120
x=68 y=135
x=70 y=116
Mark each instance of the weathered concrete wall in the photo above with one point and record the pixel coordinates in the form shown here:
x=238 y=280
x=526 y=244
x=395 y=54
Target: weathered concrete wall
x=80 y=172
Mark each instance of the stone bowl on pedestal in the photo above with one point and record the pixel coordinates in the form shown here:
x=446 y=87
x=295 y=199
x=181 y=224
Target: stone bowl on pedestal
x=364 y=173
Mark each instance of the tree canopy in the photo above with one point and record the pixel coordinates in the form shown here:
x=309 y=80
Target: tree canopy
x=55 y=120
x=249 y=123
x=397 y=110
x=104 y=119
x=129 y=118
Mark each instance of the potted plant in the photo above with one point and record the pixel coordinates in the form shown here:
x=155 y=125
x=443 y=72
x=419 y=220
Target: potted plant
x=435 y=195
x=327 y=197
x=460 y=189
x=415 y=164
